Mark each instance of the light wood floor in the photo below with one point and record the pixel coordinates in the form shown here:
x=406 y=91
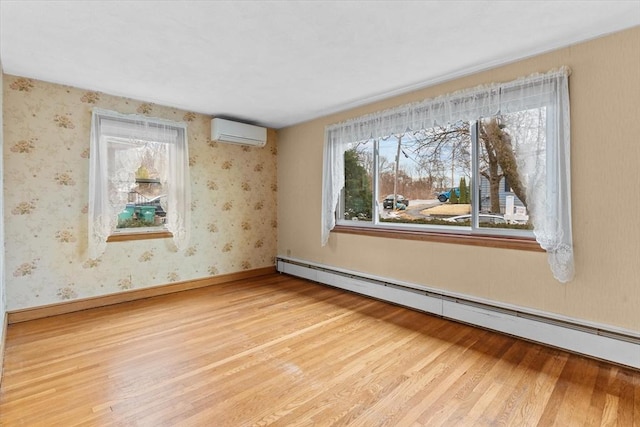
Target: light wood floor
x=281 y=351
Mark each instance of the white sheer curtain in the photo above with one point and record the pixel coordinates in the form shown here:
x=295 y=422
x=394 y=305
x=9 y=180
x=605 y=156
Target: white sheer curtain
x=547 y=184
x=117 y=145
x=179 y=194
x=544 y=168
x=332 y=179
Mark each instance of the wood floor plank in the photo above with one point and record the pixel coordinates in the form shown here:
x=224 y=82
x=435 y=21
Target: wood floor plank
x=282 y=351
x=636 y=400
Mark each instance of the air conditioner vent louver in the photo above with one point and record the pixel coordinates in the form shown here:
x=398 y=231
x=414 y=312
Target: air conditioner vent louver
x=231 y=132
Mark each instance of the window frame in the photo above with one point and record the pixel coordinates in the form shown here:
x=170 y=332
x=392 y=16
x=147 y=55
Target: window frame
x=108 y=127
x=139 y=233
x=473 y=234
x=549 y=210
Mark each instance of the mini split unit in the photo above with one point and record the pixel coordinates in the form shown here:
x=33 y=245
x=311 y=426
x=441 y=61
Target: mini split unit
x=231 y=132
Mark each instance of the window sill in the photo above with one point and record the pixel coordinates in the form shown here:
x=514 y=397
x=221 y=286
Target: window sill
x=144 y=235
x=520 y=243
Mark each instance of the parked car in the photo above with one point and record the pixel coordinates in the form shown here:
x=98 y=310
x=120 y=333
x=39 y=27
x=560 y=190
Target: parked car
x=482 y=218
x=155 y=202
x=387 y=203
x=445 y=195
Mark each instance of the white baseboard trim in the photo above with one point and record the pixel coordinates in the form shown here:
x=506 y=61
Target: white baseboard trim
x=604 y=342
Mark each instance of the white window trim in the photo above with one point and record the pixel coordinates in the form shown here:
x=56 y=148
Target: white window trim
x=550 y=215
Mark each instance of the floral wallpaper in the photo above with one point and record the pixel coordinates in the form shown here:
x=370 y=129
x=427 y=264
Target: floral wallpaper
x=46 y=169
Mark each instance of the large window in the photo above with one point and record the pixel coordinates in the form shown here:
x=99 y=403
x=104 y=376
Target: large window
x=491 y=162
x=139 y=179
x=425 y=179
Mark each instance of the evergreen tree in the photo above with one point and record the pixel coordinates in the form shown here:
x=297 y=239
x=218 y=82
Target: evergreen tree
x=464 y=194
x=357 y=188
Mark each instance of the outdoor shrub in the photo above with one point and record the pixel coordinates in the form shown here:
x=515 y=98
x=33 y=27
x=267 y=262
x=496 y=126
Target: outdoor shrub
x=453 y=197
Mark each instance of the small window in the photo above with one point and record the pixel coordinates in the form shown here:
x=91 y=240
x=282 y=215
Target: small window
x=146 y=205
x=139 y=179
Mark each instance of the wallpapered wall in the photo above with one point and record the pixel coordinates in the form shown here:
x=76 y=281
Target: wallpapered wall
x=46 y=152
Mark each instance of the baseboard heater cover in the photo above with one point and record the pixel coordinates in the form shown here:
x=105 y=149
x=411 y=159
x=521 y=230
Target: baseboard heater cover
x=598 y=341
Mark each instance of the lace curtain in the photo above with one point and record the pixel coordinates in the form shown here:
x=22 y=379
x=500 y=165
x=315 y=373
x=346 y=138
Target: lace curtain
x=118 y=144
x=547 y=182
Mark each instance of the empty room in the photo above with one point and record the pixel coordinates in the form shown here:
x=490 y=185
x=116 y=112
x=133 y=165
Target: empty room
x=320 y=213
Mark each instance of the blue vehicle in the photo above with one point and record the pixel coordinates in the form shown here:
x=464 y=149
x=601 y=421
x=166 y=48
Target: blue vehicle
x=445 y=195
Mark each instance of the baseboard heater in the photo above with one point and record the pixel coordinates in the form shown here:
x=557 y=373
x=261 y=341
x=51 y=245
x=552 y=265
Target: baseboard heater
x=612 y=344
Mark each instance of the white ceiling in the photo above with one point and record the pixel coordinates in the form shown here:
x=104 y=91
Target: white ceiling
x=277 y=63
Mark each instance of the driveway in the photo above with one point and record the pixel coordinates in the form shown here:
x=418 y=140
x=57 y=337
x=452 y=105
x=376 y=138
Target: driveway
x=413 y=210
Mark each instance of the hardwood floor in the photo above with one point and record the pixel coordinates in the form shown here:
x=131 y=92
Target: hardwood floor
x=280 y=351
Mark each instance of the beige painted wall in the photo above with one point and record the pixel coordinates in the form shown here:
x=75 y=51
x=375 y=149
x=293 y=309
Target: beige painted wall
x=46 y=177
x=605 y=155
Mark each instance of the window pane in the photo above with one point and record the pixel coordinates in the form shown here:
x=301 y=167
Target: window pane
x=137 y=176
x=357 y=200
x=421 y=169
x=508 y=145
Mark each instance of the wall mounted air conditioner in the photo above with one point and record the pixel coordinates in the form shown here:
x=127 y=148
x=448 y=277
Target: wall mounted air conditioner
x=231 y=132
